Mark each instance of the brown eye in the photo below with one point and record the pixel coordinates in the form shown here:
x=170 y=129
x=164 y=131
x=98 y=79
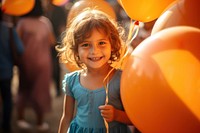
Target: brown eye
x=85 y=45
x=102 y=43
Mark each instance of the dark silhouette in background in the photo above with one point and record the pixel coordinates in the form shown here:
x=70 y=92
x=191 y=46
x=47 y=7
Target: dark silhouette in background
x=6 y=68
x=58 y=16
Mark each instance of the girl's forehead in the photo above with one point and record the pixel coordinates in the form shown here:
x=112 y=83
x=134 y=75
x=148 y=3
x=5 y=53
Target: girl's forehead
x=96 y=31
x=101 y=30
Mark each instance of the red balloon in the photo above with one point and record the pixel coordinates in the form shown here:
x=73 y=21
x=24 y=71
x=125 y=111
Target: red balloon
x=160 y=85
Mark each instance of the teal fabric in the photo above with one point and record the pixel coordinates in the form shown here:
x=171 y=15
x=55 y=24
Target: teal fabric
x=88 y=118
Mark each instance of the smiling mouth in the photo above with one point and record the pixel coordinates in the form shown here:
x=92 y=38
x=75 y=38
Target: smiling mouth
x=95 y=58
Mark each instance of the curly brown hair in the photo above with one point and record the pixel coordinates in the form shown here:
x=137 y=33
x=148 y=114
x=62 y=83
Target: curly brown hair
x=81 y=28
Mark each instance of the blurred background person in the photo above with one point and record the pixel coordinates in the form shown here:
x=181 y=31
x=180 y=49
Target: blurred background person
x=35 y=71
x=58 y=16
x=6 y=68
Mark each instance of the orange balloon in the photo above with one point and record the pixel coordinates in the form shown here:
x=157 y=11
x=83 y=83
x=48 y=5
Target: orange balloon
x=183 y=13
x=145 y=10
x=59 y=2
x=17 y=7
x=96 y=4
x=160 y=85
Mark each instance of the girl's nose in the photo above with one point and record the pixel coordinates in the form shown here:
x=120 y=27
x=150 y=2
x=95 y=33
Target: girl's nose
x=94 y=49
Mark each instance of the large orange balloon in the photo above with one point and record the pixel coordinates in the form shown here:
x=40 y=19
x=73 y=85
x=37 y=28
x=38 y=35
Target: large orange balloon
x=17 y=7
x=145 y=10
x=160 y=85
x=96 y=4
x=183 y=13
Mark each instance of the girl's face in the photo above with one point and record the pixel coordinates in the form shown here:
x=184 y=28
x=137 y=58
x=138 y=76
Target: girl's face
x=95 y=51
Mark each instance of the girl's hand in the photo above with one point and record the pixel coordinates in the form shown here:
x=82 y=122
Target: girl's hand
x=110 y=113
x=107 y=112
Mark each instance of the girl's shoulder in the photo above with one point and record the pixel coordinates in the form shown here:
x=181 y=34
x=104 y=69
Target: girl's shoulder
x=69 y=80
x=71 y=75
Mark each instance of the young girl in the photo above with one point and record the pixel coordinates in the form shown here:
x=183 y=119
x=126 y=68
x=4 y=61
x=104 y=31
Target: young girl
x=93 y=41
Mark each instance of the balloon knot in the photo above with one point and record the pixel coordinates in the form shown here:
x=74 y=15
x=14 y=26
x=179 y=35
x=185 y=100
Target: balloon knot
x=136 y=22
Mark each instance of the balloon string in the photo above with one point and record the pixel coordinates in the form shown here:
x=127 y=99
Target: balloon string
x=133 y=31
x=106 y=85
x=130 y=29
x=131 y=36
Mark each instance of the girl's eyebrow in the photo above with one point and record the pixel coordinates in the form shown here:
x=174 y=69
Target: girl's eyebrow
x=103 y=39
x=85 y=41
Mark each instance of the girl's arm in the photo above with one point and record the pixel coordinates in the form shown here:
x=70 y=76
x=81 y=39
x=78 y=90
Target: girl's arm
x=110 y=114
x=67 y=116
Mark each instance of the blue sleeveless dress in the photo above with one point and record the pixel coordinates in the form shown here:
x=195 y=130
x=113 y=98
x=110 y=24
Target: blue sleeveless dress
x=88 y=118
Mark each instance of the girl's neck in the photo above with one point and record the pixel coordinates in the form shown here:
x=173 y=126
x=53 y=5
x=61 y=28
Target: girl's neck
x=103 y=71
x=96 y=77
